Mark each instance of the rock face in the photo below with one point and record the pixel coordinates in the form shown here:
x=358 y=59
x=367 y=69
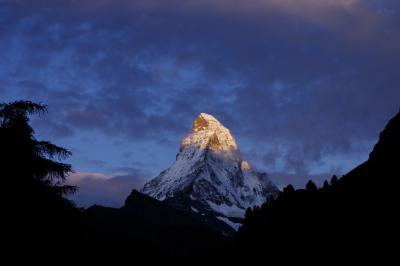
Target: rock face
x=209 y=176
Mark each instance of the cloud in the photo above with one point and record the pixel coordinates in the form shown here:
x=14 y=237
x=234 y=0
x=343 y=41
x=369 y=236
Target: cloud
x=296 y=81
x=107 y=190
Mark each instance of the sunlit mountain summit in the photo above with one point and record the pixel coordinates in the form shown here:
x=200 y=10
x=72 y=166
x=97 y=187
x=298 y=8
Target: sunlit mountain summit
x=209 y=176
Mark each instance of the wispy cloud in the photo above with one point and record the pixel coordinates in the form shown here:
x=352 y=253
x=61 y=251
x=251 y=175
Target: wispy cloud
x=107 y=190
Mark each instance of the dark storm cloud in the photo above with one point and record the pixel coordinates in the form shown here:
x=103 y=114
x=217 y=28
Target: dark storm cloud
x=301 y=80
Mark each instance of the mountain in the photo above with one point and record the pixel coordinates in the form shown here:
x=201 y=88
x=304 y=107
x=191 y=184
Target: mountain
x=145 y=228
x=387 y=150
x=209 y=176
x=350 y=218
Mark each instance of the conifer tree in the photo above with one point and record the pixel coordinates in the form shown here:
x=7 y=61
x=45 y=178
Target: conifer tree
x=22 y=156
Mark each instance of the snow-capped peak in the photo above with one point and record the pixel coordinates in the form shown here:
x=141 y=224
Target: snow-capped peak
x=205 y=121
x=208 y=132
x=210 y=173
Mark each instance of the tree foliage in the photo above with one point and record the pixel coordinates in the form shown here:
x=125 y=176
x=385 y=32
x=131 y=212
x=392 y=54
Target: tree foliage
x=311 y=186
x=288 y=189
x=334 y=179
x=23 y=156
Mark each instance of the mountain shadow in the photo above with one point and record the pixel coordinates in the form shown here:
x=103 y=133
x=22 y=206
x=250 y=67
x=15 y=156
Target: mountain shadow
x=351 y=217
x=147 y=228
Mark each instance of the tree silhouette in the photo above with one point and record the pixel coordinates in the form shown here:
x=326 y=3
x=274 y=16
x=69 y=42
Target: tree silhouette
x=326 y=184
x=334 y=179
x=24 y=157
x=288 y=189
x=270 y=199
x=310 y=186
x=248 y=213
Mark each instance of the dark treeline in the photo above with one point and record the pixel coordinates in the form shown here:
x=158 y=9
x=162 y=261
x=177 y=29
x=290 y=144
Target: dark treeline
x=350 y=217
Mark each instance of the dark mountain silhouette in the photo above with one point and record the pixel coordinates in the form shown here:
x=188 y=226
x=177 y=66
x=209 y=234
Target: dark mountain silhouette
x=353 y=217
x=184 y=203
x=146 y=227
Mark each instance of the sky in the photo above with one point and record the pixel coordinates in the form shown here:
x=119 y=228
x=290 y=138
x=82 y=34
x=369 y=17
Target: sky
x=305 y=86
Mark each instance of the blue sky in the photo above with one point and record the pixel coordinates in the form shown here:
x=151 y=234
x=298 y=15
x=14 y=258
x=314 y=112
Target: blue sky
x=305 y=86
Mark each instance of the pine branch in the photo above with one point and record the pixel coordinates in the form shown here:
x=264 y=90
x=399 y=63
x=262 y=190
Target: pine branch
x=45 y=148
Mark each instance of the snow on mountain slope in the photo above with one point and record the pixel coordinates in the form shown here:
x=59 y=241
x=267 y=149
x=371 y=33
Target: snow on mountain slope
x=209 y=171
